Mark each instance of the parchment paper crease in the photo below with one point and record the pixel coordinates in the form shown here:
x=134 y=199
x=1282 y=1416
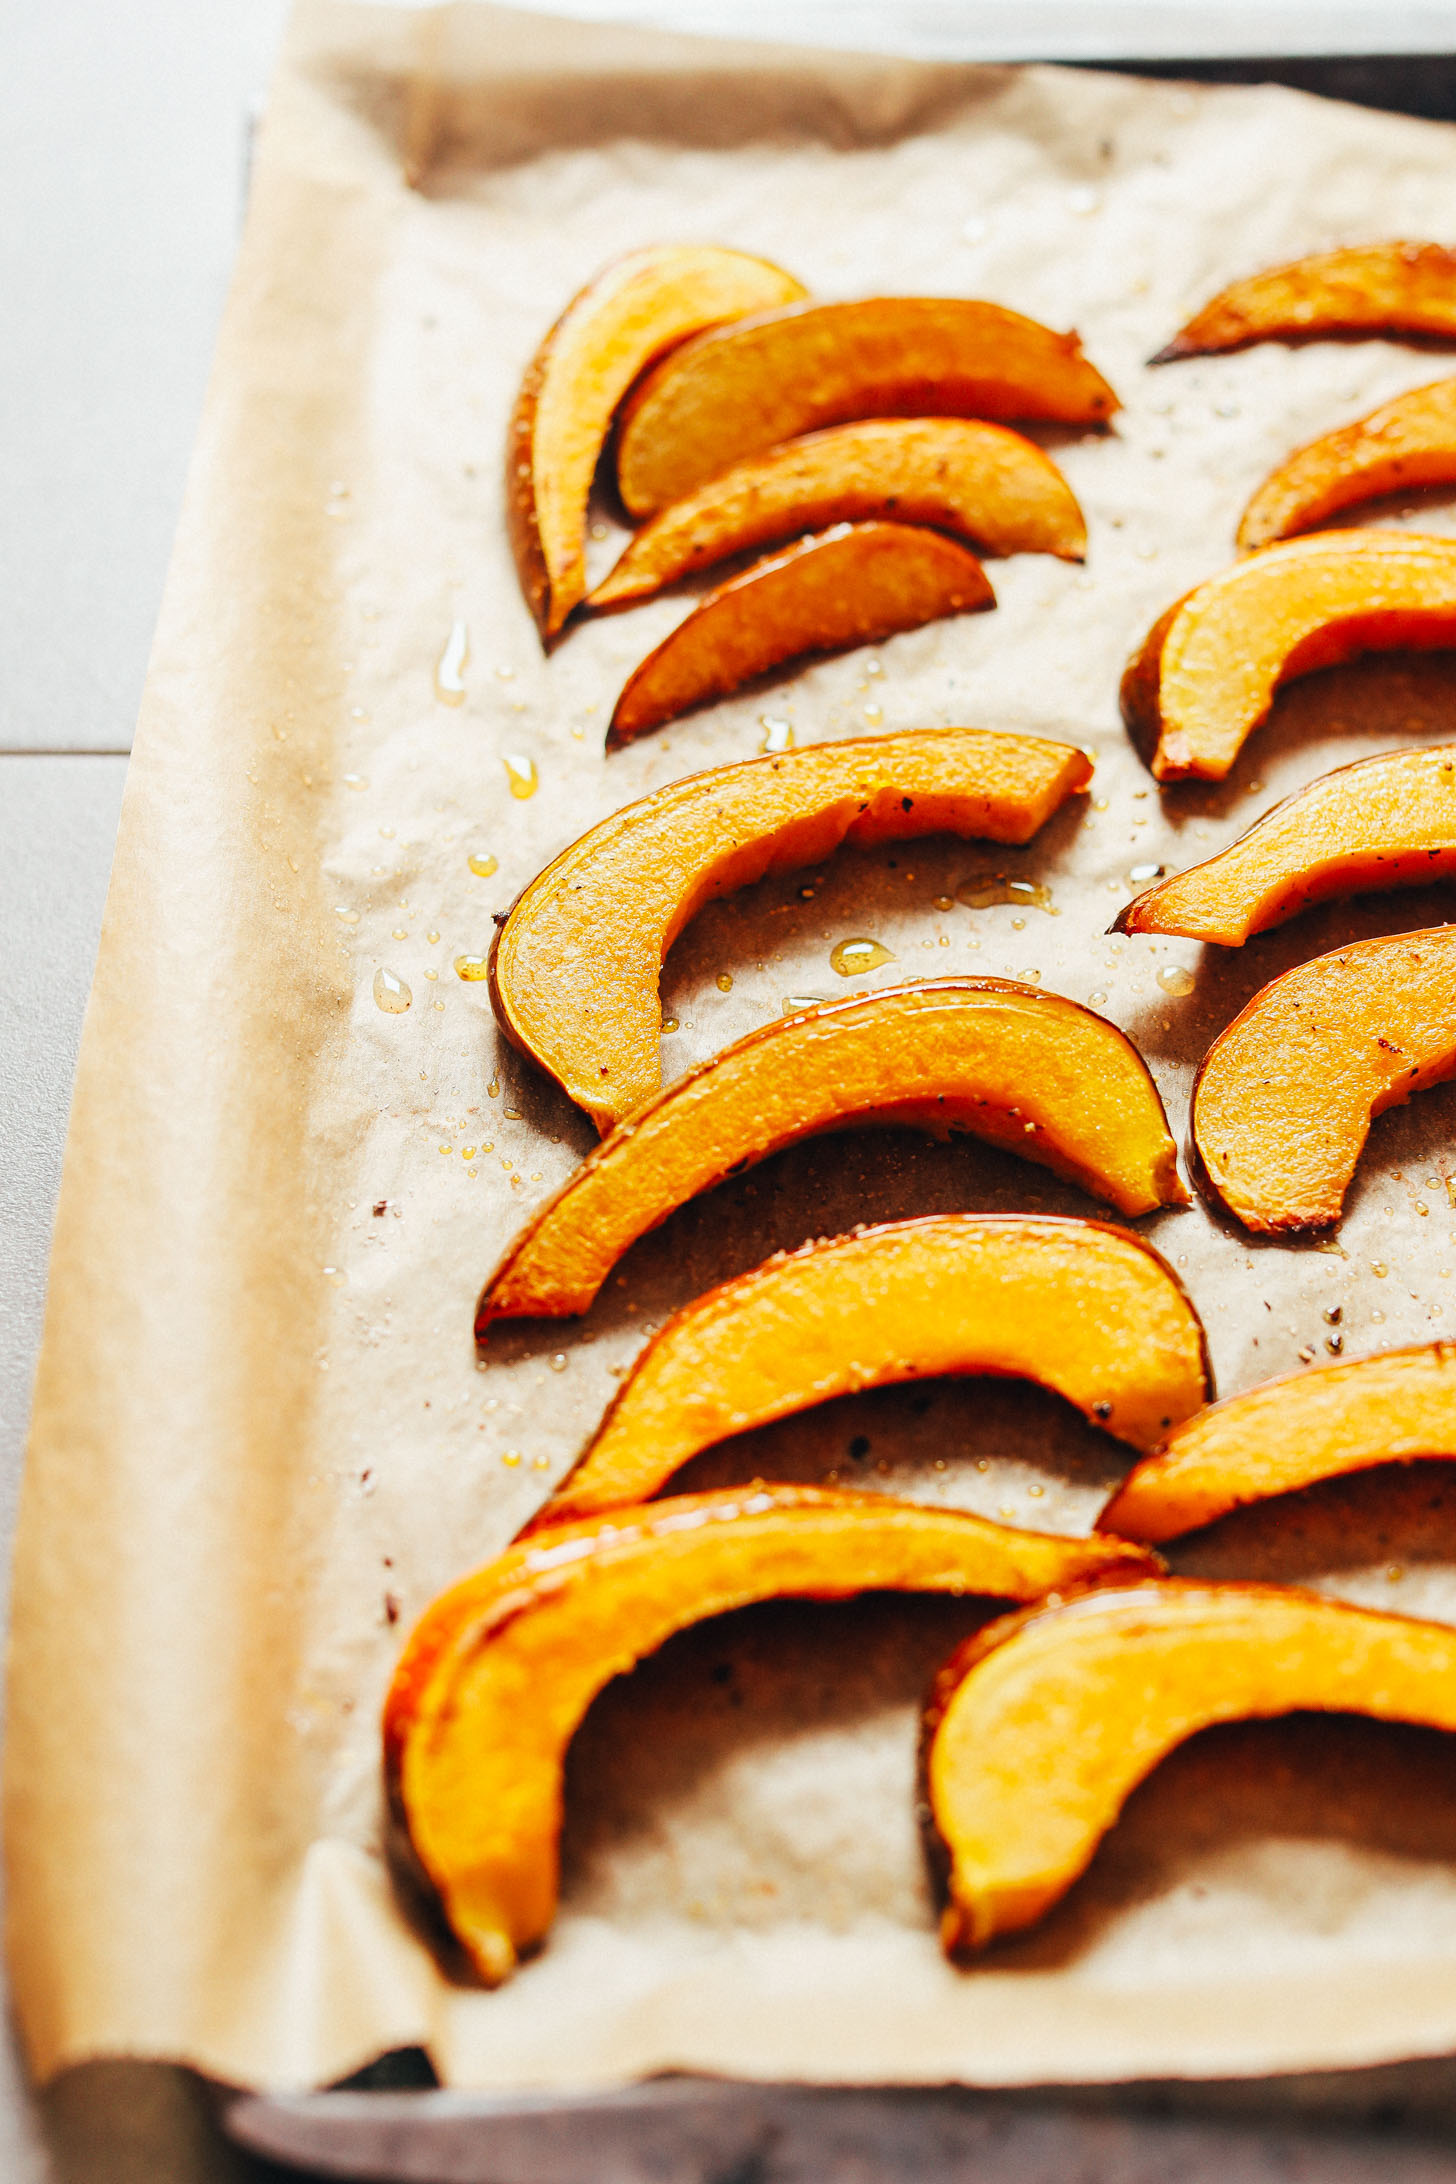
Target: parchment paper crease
x=261 y=1439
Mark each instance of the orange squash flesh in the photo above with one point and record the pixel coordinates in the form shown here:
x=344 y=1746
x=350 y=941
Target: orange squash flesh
x=1284 y=1098
x=854 y=585
x=1041 y=1726
x=633 y=311
x=1319 y=1424
x=1405 y=443
x=791 y=371
x=1083 y=1308
x=1206 y=674
x=1023 y=1068
x=574 y=969
x=1384 y=822
x=1374 y=288
x=500 y=1671
x=988 y=486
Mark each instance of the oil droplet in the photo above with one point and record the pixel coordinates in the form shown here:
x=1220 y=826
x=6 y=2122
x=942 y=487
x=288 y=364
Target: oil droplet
x=1378 y=1270
x=335 y=1275
x=981 y=889
x=356 y=781
x=432 y=938
x=1174 y=979
x=1139 y=874
x=1097 y=1000
x=558 y=1361
x=724 y=982
x=852 y=957
x=1333 y=1315
x=510 y=1458
x=1032 y=977
x=342 y=910
x=472 y=966
x=793 y=1002
x=467 y=1152
x=399 y=932
x=493 y=1088
x=778 y=735
x=669 y=1023
x=874 y=715
x=450 y=667
x=482 y=864
x=391 y=993
x=522 y=775
x=943 y=902
x=386 y=834
x=447 y=1148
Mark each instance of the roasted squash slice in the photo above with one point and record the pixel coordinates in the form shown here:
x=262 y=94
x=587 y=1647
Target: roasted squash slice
x=1287 y=1434
x=574 y=969
x=1284 y=1099
x=1085 y=1309
x=500 y=1671
x=1041 y=1725
x=1406 y=443
x=1374 y=288
x=1384 y=822
x=854 y=585
x=1206 y=674
x=787 y=372
x=1013 y=1064
x=988 y=486
x=618 y=325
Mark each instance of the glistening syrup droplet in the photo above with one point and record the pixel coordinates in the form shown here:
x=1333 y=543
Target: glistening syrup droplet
x=450 y=667
x=472 y=966
x=725 y=982
x=851 y=957
x=391 y=993
x=979 y=890
x=1174 y=979
x=778 y=735
x=521 y=774
x=482 y=864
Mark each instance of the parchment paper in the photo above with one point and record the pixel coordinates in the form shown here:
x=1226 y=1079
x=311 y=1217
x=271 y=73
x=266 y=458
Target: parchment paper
x=262 y=1440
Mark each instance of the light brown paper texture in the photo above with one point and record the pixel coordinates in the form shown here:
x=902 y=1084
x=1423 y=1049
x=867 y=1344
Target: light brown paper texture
x=262 y=1442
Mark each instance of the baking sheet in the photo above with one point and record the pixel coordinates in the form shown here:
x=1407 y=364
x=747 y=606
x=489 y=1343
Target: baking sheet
x=262 y=1438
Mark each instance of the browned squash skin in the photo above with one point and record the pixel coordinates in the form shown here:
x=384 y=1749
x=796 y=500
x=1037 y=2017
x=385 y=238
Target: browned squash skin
x=1383 y=822
x=1079 y=1306
x=1042 y=1724
x=1010 y=1063
x=791 y=371
x=856 y=584
x=500 y=1670
x=1284 y=1098
x=1372 y=288
x=574 y=969
x=1406 y=443
x=621 y=321
x=1395 y=1407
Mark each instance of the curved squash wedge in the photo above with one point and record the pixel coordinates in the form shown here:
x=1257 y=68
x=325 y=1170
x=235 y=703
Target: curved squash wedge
x=1041 y=1726
x=736 y=391
x=1374 y=288
x=1025 y=1069
x=1406 y=443
x=500 y=1671
x=854 y=585
x=1274 y=1439
x=987 y=486
x=617 y=326
x=1206 y=674
x=1086 y=1310
x=1285 y=1097
x=574 y=969
x=1384 y=822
